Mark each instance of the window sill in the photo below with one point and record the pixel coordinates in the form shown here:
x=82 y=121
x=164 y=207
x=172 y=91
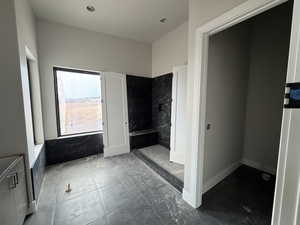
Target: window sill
x=36 y=152
x=79 y=135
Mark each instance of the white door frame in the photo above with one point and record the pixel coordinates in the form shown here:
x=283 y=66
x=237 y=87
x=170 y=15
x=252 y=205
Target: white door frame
x=174 y=156
x=192 y=192
x=104 y=109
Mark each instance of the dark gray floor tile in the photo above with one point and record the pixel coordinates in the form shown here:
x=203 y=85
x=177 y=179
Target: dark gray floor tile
x=79 y=186
x=99 y=221
x=80 y=210
x=122 y=190
x=45 y=216
x=121 y=218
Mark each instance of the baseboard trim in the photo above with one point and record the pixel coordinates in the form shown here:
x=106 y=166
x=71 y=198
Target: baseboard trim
x=187 y=197
x=220 y=176
x=258 y=166
x=174 y=158
x=32 y=207
x=113 y=151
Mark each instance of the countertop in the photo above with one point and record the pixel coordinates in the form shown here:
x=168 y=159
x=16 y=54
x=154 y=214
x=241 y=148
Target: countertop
x=6 y=164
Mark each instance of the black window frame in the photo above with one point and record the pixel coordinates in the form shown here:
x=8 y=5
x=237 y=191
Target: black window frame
x=55 y=69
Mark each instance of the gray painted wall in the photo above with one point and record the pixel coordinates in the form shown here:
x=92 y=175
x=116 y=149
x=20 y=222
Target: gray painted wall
x=246 y=79
x=12 y=121
x=267 y=75
x=227 y=89
x=200 y=12
x=17 y=33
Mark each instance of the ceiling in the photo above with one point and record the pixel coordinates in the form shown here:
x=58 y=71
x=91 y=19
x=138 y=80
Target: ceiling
x=134 y=19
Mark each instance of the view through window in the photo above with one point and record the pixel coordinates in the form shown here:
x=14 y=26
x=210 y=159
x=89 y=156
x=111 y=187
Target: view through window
x=78 y=95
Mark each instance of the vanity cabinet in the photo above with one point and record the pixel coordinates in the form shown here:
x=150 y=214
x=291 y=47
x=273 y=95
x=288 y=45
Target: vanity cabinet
x=13 y=191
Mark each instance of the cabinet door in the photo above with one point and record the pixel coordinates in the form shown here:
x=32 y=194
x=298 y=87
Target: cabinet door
x=21 y=192
x=8 y=215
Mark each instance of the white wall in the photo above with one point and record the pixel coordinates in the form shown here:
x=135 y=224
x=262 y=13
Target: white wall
x=17 y=31
x=27 y=44
x=12 y=122
x=61 y=45
x=170 y=50
x=228 y=69
x=267 y=75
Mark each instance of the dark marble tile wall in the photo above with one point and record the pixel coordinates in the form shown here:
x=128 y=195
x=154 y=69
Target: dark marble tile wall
x=161 y=107
x=71 y=148
x=139 y=95
x=142 y=141
x=38 y=173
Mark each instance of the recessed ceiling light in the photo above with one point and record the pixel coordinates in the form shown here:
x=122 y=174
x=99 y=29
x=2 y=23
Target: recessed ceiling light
x=163 y=20
x=90 y=8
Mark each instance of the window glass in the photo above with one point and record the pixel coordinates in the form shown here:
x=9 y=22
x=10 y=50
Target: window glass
x=79 y=102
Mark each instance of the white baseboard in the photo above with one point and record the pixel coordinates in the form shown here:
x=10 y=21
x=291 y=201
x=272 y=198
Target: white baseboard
x=32 y=208
x=258 y=166
x=220 y=176
x=177 y=158
x=186 y=195
x=113 y=151
x=190 y=199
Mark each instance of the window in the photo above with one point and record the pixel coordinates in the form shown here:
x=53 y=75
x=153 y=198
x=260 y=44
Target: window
x=78 y=101
x=31 y=102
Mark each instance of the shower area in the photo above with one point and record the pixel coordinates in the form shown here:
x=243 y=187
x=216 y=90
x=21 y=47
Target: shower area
x=149 y=113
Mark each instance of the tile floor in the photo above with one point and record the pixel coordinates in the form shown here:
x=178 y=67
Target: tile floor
x=161 y=156
x=122 y=190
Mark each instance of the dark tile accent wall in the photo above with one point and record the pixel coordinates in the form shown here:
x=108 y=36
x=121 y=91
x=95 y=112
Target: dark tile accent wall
x=38 y=172
x=161 y=107
x=142 y=141
x=66 y=149
x=139 y=95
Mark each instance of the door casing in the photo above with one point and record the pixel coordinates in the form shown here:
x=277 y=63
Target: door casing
x=287 y=192
x=178 y=121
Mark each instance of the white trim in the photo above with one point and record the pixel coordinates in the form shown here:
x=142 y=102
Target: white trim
x=175 y=155
x=258 y=166
x=287 y=150
x=116 y=150
x=173 y=111
x=36 y=152
x=188 y=197
x=32 y=207
x=220 y=176
x=104 y=110
x=29 y=54
x=198 y=118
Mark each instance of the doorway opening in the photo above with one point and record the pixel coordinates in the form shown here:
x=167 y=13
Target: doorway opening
x=246 y=74
x=156 y=122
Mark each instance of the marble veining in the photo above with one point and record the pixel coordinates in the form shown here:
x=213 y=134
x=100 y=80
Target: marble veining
x=161 y=107
x=74 y=147
x=139 y=98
